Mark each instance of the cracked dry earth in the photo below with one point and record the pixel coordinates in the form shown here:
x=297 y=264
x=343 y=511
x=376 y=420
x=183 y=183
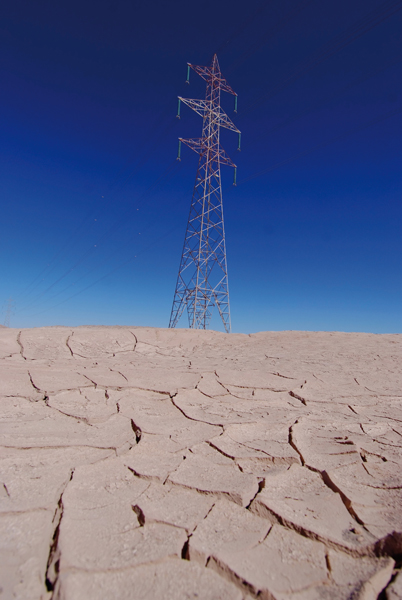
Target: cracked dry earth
x=145 y=463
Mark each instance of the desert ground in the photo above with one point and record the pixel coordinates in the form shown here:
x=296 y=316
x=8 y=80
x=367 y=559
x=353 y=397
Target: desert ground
x=141 y=463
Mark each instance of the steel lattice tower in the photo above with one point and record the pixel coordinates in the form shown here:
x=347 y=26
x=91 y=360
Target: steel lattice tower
x=202 y=282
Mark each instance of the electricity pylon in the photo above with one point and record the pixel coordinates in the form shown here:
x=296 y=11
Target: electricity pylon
x=9 y=312
x=202 y=282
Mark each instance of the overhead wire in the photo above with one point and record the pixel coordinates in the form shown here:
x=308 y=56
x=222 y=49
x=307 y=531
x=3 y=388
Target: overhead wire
x=95 y=206
x=119 y=266
x=77 y=233
x=322 y=145
x=90 y=251
x=365 y=77
x=268 y=35
x=94 y=268
x=81 y=229
x=247 y=179
x=122 y=264
x=245 y=24
x=372 y=20
x=109 y=273
x=369 y=22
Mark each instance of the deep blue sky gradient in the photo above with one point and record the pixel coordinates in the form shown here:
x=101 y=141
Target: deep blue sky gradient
x=94 y=204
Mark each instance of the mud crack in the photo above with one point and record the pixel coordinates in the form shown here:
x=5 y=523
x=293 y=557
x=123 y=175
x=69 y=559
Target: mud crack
x=20 y=345
x=53 y=562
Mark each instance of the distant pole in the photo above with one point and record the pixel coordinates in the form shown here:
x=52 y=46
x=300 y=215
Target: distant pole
x=202 y=282
x=9 y=311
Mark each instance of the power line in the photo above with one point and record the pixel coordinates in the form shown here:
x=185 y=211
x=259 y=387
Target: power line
x=323 y=144
x=117 y=225
x=152 y=244
x=109 y=273
x=10 y=309
x=269 y=34
x=369 y=22
x=91 y=270
x=260 y=173
x=245 y=24
x=338 y=93
x=79 y=231
x=389 y=6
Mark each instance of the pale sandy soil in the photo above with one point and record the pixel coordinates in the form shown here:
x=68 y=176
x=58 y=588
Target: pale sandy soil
x=163 y=464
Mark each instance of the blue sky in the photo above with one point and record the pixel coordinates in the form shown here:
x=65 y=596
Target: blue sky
x=94 y=204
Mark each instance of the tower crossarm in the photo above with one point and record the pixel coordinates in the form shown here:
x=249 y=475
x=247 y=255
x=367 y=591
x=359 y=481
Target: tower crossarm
x=202 y=108
x=224 y=158
x=224 y=120
x=196 y=144
x=207 y=73
x=200 y=145
x=198 y=106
